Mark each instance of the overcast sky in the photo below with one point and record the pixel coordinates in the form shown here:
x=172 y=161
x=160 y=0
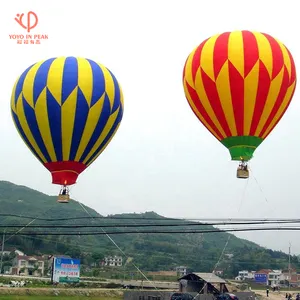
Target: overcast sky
x=162 y=158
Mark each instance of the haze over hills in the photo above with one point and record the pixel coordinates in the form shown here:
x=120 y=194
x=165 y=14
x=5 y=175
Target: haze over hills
x=150 y=251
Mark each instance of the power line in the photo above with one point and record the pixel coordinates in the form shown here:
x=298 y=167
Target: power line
x=162 y=232
x=149 y=218
x=143 y=225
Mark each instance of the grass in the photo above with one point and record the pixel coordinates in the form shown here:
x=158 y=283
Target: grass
x=15 y=297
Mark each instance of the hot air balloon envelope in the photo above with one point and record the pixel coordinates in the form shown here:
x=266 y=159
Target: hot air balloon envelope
x=239 y=84
x=67 y=109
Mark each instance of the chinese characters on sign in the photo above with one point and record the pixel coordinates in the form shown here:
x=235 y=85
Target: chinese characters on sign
x=261 y=278
x=28 y=23
x=69 y=273
x=69 y=266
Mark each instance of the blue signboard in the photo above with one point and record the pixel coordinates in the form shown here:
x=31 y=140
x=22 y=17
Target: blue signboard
x=261 y=278
x=66 y=270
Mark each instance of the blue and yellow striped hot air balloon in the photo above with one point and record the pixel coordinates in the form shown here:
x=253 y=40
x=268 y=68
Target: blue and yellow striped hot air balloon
x=67 y=109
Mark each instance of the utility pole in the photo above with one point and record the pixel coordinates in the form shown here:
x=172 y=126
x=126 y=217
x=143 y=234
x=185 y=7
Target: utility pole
x=290 y=266
x=2 y=250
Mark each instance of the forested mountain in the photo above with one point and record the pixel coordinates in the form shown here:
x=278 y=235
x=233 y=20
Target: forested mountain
x=150 y=251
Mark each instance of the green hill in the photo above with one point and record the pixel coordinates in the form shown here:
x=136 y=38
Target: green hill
x=159 y=251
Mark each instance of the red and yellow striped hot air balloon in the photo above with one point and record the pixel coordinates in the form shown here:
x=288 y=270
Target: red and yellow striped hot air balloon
x=239 y=84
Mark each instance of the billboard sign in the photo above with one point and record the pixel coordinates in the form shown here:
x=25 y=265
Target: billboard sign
x=65 y=270
x=261 y=278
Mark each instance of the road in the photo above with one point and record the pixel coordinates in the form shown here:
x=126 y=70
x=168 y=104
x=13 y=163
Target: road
x=274 y=295
x=137 y=283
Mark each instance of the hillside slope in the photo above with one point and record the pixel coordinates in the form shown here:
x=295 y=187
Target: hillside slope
x=150 y=251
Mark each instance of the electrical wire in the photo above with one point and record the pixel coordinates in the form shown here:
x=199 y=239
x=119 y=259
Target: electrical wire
x=144 y=225
x=122 y=252
x=35 y=233
x=146 y=218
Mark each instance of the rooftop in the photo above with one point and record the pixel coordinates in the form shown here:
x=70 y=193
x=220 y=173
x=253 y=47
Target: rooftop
x=208 y=277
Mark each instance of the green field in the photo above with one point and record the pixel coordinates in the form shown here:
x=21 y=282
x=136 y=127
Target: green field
x=15 y=297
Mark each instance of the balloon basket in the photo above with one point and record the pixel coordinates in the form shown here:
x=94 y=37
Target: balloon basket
x=243 y=174
x=63 y=198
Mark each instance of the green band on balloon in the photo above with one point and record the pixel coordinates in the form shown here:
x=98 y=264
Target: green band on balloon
x=241 y=147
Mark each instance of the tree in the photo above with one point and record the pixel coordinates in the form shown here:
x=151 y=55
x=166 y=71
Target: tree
x=97 y=257
x=96 y=272
x=74 y=252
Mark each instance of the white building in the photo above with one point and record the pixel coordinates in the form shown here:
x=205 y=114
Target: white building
x=218 y=272
x=28 y=265
x=244 y=274
x=113 y=261
x=181 y=271
x=274 y=277
x=9 y=251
